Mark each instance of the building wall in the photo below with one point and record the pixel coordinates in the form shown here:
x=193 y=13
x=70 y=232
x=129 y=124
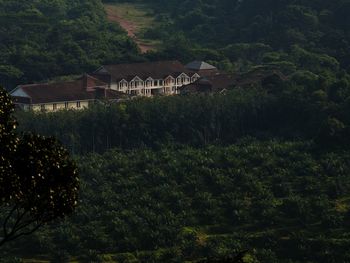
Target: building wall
x=19 y=93
x=158 y=86
x=51 y=107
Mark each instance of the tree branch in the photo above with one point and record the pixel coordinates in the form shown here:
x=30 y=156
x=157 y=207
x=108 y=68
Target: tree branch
x=25 y=233
x=8 y=218
x=13 y=232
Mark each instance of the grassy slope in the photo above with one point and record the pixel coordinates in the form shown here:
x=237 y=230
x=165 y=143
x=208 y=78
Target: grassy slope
x=135 y=19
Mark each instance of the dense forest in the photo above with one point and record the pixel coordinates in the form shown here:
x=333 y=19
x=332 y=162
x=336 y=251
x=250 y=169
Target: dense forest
x=289 y=34
x=40 y=40
x=262 y=170
x=281 y=201
x=172 y=179
x=286 y=110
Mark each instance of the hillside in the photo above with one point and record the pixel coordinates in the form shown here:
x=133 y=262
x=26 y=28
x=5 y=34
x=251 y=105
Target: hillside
x=135 y=19
x=280 y=201
x=41 y=40
x=309 y=35
x=261 y=169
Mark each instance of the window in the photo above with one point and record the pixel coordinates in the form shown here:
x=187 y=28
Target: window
x=42 y=107
x=66 y=105
x=169 y=81
x=195 y=77
x=185 y=80
x=123 y=84
x=54 y=106
x=78 y=104
x=139 y=84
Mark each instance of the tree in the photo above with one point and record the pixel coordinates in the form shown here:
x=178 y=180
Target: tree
x=38 y=180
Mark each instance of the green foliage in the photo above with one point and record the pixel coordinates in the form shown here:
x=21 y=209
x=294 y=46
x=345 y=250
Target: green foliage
x=264 y=169
x=47 y=183
x=306 y=106
x=44 y=39
x=276 y=199
x=306 y=34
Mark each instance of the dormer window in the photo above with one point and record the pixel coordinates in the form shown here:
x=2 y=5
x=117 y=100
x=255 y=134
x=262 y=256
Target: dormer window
x=123 y=84
x=169 y=80
x=195 y=77
x=149 y=82
x=183 y=79
x=139 y=83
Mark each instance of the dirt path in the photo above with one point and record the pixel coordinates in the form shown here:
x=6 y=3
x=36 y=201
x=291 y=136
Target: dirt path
x=129 y=26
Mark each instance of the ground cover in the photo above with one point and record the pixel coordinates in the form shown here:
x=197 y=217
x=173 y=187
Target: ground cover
x=135 y=19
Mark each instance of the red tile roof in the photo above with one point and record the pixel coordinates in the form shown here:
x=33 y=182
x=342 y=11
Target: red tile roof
x=156 y=70
x=82 y=88
x=214 y=83
x=220 y=82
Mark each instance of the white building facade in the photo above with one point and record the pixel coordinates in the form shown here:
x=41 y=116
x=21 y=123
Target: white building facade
x=147 y=79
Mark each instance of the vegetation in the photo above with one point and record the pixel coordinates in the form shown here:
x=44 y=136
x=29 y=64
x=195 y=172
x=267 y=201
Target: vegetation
x=44 y=39
x=38 y=181
x=262 y=171
x=304 y=107
x=136 y=19
x=237 y=35
x=281 y=201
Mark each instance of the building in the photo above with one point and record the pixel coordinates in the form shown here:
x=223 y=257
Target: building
x=75 y=94
x=111 y=82
x=219 y=83
x=210 y=84
x=152 y=78
x=202 y=68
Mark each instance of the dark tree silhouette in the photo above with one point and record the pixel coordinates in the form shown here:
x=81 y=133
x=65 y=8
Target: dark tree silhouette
x=38 y=180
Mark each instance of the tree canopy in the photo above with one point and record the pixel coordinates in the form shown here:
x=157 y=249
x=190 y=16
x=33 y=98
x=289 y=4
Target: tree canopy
x=38 y=180
x=40 y=40
x=262 y=169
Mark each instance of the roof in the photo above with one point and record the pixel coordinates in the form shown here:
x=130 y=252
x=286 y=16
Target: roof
x=220 y=82
x=82 y=88
x=199 y=65
x=109 y=94
x=215 y=83
x=144 y=70
x=20 y=100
